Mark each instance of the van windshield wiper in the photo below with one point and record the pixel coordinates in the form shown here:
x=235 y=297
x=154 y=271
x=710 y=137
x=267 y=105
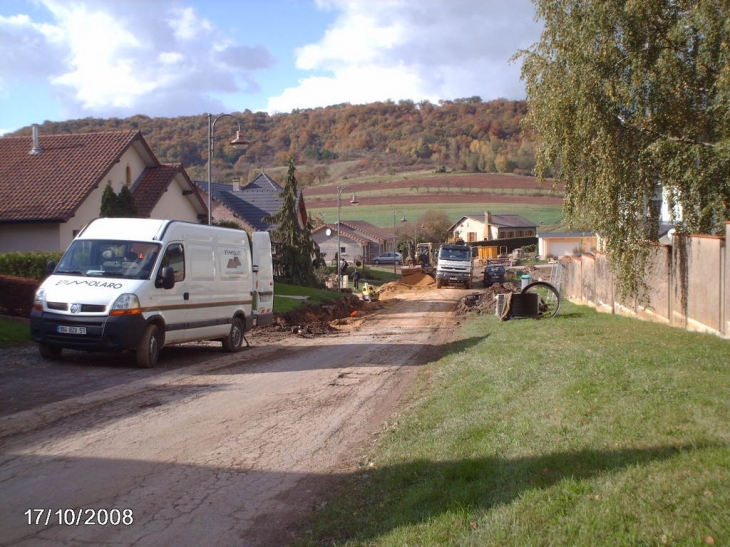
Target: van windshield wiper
x=70 y=272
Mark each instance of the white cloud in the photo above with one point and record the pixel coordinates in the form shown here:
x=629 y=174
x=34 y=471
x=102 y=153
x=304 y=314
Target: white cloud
x=128 y=57
x=400 y=49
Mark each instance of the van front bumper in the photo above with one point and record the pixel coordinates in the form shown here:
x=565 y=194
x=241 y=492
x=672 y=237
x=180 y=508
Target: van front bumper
x=91 y=333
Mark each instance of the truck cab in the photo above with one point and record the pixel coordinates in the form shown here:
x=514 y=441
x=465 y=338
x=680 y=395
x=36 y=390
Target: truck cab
x=455 y=265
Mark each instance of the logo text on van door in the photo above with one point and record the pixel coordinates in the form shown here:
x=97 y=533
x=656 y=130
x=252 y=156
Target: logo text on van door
x=90 y=283
x=234 y=262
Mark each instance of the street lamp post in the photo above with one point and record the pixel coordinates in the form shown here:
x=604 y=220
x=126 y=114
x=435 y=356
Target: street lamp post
x=239 y=142
x=339 y=246
x=395 y=249
x=353 y=201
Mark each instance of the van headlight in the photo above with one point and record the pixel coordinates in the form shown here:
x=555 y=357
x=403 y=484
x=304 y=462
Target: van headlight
x=40 y=298
x=126 y=304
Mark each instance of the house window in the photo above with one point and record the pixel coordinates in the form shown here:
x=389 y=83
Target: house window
x=471 y=236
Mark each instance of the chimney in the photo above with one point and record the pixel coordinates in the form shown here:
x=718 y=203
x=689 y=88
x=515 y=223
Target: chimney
x=488 y=217
x=236 y=184
x=36 y=144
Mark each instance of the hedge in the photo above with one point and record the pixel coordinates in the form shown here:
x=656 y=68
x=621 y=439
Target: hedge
x=30 y=265
x=16 y=295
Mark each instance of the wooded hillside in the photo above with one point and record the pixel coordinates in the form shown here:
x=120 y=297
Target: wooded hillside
x=377 y=138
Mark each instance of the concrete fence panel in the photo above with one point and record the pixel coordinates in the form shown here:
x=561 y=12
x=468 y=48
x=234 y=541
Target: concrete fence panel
x=688 y=284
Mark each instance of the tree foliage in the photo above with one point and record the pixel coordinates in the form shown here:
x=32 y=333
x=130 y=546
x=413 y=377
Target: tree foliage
x=118 y=205
x=297 y=252
x=460 y=134
x=626 y=98
x=433 y=225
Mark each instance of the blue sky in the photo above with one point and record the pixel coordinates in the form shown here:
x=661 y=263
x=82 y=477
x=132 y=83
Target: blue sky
x=70 y=59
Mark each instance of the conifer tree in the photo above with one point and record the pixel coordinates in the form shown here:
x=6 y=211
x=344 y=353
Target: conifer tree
x=119 y=206
x=125 y=203
x=109 y=202
x=297 y=249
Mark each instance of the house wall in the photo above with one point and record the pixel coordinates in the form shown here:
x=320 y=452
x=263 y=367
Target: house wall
x=328 y=246
x=470 y=231
x=29 y=237
x=564 y=246
x=173 y=204
x=687 y=284
x=91 y=207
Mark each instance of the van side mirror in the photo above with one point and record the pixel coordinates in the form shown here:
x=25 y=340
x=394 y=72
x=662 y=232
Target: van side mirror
x=50 y=267
x=255 y=268
x=167 y=278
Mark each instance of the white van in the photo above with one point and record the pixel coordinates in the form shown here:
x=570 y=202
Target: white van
x=142 y=284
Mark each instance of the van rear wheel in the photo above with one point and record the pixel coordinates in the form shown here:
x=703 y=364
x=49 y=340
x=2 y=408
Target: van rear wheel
x=234 y=341
x=148 y=349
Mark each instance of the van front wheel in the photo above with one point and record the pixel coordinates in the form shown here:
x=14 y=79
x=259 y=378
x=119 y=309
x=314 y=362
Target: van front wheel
x=148 y=349
x=234 y=341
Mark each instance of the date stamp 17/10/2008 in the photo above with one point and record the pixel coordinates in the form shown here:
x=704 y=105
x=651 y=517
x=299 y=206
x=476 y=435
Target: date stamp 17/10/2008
x=79 y=517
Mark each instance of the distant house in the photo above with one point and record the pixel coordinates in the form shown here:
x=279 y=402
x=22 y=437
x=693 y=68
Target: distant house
x=249 y=205
x=51 y=185
x=561 y=242
x=358 y=240
x=474 y=229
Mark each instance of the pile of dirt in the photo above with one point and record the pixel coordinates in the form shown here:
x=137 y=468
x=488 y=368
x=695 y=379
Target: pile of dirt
x=317 y=313
x=414 y=281
x=485 y=301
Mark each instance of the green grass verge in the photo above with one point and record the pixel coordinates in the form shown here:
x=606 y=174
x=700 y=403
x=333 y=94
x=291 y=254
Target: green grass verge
x=13 y=333
x=583 y=430
x=283 y=304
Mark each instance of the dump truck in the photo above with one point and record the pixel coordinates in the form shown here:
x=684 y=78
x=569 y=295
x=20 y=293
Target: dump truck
x=455 y=265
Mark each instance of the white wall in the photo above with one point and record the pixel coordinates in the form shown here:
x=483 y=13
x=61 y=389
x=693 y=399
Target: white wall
x=29 y=237
x=174 y=205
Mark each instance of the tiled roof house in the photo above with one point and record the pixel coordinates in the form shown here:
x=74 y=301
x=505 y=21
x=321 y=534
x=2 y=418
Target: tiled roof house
x=251 y=204
x=357 y=239
x=489 y=227
x=51 y=185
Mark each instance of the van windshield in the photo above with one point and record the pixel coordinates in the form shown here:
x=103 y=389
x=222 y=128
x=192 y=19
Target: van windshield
x=109 y=258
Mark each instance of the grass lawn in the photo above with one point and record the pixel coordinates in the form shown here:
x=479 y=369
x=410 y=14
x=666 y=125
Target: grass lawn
x=13 y=332
x=583 y=430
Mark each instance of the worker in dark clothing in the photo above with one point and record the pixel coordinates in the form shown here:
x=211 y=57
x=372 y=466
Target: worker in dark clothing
x=356 y=279
x=343 y=267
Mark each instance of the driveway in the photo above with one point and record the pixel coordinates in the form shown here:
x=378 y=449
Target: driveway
x=210 y=448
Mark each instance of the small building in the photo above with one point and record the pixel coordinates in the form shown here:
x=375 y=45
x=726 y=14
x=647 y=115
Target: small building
x=565 y=243
x=358 y=239
x=51 y=186
x=474 y=229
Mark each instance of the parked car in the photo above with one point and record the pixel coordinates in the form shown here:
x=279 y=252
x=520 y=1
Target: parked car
x=388 y=258
x=494 y=273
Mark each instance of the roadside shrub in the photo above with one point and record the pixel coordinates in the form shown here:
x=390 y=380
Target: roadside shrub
x=16 y=295
x=30 y=265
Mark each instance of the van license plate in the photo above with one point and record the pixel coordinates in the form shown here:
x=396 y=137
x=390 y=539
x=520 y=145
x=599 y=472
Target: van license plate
x=71 y=330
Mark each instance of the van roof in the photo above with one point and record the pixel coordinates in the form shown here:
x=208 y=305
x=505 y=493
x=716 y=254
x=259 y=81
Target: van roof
x=138 y=229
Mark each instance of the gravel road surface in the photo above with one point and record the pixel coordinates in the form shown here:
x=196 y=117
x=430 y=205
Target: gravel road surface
x=210 y=448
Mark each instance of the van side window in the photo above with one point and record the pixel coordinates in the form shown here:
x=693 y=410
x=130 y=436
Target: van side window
x=175 y=257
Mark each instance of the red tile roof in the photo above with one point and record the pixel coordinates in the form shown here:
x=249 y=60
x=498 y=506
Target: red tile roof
x=50 y=186
x=153 y=183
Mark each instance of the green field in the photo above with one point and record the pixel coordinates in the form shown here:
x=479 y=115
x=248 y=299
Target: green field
x=383 y=215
